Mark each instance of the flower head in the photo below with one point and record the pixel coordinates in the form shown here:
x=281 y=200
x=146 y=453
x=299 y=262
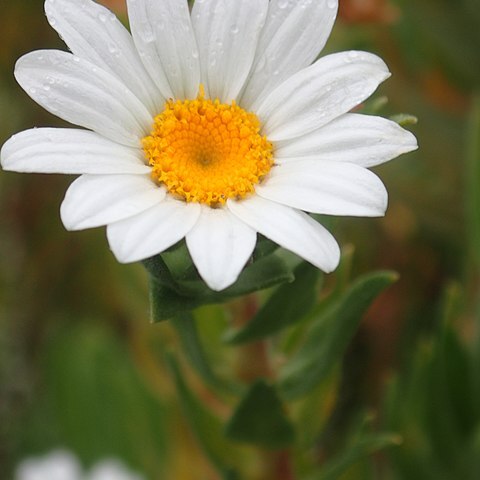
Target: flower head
x=210 y=125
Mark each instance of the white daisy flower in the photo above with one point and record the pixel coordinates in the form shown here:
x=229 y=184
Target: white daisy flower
x=210 y=125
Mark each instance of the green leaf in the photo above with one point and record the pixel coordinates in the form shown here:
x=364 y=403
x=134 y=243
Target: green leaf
x=330 y=335
x=159 y=270
x=288 y=304
x=264 y=248
x=186 y=328
x=361 y=449
x=165 y=302
x=183 y=296
x=260 y=419
x=205 y=425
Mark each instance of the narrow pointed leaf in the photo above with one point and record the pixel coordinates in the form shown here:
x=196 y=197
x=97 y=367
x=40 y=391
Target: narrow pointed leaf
x=288 y=304
x=330 y=336
x=368 y=445
x=267 y=272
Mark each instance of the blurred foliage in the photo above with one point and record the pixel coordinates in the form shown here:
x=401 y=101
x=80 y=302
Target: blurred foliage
x=82 y=368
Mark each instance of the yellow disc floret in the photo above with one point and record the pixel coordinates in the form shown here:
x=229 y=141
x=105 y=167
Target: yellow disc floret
x=207 y=152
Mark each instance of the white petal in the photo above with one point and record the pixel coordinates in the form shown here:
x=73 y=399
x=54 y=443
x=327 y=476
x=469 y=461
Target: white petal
x=227 y=33
x=96 y=200
x=331 y=188
x=291 y=229
x=316 y=95
x=152 y=231
x=83 y=94
x=220 y=245
x=163 y=35
x=361 y=139
x=294 y=34
x=66 y=150
x=94 y=33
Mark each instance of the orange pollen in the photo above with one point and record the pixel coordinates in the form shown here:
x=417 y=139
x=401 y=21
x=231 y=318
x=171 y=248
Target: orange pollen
x=207 y=152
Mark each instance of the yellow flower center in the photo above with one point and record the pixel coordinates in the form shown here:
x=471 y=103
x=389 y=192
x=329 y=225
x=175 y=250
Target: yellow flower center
x=207 y=152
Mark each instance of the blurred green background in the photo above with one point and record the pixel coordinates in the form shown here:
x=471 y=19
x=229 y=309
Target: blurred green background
x=82 y=368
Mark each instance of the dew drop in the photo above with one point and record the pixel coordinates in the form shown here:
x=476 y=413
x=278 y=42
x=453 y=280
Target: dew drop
x=147 y=34
x=282 y=4
x=112 y=48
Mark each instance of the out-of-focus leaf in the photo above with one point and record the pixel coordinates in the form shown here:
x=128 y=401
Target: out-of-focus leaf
x=450 y=35
x=205 y=425
x=374 y=105
x=287 y=305
x=100 y=405
x=472 y=179
x=330 y=335
x=186 y=328
x=404 y=119
x=366 y=446
x=434 y=405
x=260 y=419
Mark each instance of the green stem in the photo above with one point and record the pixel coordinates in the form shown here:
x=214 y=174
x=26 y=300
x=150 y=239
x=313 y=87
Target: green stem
x=252 y=363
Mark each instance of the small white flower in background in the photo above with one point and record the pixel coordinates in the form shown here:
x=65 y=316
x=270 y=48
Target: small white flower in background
x=210 y=125
x=62 y=465
x=111 y=470
x=58 y=465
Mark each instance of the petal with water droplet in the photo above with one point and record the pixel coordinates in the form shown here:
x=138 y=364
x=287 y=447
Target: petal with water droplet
x=294 y=34
x=320 y=93
x=163 y=35
x=84 y=94
x=361 y=139
x=71 y=151
x=227 y=33
x=94 y=33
